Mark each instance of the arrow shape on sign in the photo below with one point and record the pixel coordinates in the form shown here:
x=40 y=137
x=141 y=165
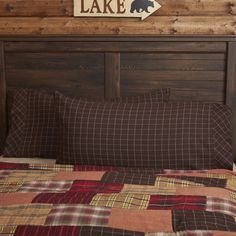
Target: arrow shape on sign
x=151 y=10
x=115 y=8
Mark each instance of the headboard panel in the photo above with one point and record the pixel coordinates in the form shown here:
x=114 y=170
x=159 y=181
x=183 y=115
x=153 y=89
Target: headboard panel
x=196 y=68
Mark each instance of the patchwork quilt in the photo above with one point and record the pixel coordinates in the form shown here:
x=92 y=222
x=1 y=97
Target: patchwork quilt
x=63 y=200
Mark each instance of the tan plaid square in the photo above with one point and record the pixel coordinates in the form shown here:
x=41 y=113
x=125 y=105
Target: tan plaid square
x=167 y=183
x=6 y=187
x=147 y=189
x=232 y=196
x=34 y=214
x=121 y=200
x=218 y=176
x=231 y=183
x=7 y=230
x=51 y=167
x=26 y=175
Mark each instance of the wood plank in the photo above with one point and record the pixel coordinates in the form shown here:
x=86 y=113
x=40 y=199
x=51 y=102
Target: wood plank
x=169 y=8
x=3 y=124
x=119 y=38
x=223 y=25
x=36 y=8
x=174 y=56
x=76 y=73
x=231 y=88
x=116 y=47
x=112 y=75
x=184 y=94
x=217 y=86
x=196 y=95
x=167 y=65
x=196 y=8
x=175 y=75
x=60 y=61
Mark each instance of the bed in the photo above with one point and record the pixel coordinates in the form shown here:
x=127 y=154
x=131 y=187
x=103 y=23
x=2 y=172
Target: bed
x=118 y=193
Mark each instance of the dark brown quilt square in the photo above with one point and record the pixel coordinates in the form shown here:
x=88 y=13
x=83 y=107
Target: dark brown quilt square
x=202 y=220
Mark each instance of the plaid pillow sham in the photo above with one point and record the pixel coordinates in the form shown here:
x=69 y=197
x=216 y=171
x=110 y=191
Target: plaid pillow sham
x=33 y=126
x=159 y=135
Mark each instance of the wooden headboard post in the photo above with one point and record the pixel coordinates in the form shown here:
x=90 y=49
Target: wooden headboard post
x=3 y=123
x=231 y=88
x=198 y=68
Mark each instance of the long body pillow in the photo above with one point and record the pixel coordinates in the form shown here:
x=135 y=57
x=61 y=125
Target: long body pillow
x=33 y=127
x=160 y=135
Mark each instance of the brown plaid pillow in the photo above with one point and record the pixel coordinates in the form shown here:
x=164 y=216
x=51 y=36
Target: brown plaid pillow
x=158 y=135
x=33 y=126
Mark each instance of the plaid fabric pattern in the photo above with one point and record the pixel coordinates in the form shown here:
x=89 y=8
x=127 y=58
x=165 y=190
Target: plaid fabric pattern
x=221 y=205
x=78 y=215
x=33 y=131
x=95 y=186
x=167 y=182
x=172 y=206
x=231 y=183
x=177 y=202
x=27 y=175
x=210 y=182
x=160 y=135
x=33 y=125
x=121 y=200
x=4 y=174
x=46 y=186
x=128 y=178
x=148 y=189
x=17 y=117
x=7 y=230
x=223 y=127
x=64 y=198
x=6 y=187
x=52 y=167
x=34 y=214
x=24 y=230
x=106 y=231
x=185 y=233
x=202 y=220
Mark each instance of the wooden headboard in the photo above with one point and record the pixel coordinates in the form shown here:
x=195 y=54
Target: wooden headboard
x=199 y=68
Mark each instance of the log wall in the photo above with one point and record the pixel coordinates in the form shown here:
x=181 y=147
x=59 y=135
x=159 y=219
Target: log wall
x=55 y=17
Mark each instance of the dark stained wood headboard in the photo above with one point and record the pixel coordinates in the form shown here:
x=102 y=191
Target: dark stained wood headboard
x=198 y=68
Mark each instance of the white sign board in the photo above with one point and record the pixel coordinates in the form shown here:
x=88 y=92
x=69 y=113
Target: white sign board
x=115 y=8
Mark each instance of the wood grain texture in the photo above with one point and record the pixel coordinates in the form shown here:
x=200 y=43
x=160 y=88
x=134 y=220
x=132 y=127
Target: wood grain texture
x=112 y=75
x=231 y=88
x=169 y=8
x=188 y=75
x=197 y=7
x=3 y=124
x=36 y=8
x=116 y=46
x=80 y=74
x=223 y=25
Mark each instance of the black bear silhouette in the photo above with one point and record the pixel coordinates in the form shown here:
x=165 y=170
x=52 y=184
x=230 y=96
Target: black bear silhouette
x=141 y=5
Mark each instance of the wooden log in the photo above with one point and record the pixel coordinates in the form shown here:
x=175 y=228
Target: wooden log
x=152 y=26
